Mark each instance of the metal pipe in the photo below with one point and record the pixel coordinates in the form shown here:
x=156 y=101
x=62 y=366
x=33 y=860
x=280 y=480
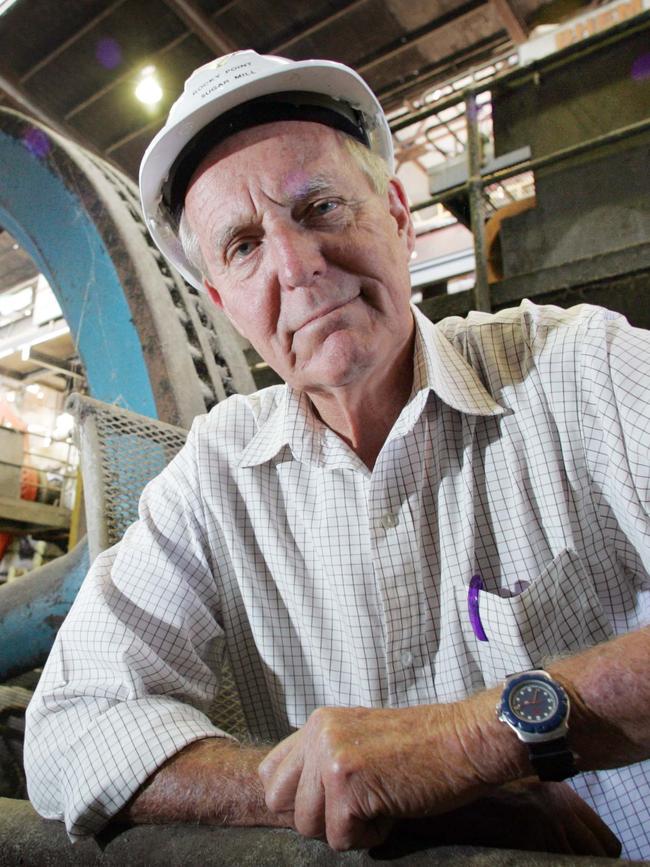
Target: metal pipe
x=477 y=205
x=540 y=162
x=33 y=607
x=573 y=151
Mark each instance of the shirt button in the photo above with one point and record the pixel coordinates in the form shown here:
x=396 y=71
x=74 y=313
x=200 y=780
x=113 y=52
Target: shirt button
x=406 y=658
x=389 y=520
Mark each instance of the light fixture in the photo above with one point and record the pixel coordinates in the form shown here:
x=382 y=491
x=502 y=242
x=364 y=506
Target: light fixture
x=148 y=89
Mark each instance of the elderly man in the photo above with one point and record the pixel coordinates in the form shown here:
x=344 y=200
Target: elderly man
x=389 y=547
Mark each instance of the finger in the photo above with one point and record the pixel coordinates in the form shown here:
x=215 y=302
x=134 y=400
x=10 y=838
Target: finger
x=310 y=803
x=355 y=833
x=280 y=775
x=270 y=762
x=344 y=829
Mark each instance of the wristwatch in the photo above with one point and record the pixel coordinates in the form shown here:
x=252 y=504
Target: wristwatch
x=537 y=709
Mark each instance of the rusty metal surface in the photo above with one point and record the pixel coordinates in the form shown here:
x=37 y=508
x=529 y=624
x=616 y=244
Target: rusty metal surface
x=138 y=327
x=28 y=840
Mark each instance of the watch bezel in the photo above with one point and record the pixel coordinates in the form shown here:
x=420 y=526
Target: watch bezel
x=555 y=724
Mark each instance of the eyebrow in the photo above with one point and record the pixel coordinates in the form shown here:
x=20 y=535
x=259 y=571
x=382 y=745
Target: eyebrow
x=313 y=187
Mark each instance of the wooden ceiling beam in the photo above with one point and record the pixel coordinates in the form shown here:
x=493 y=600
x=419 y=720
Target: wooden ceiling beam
x=491 y=49
x=145 y=61
x=89 y=25
x=124 y=76
x=321 y=24
x=152 y=127
x=513 y=22
x=409 y=40
x=203 y=26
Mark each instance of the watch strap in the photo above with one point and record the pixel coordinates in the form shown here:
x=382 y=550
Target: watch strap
x=553 y=761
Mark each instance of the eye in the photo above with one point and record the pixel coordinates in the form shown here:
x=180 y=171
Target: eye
x=241 y=249
x=322 y=207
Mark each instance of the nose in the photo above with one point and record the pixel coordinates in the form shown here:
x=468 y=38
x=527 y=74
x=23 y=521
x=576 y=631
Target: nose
x=298 y=256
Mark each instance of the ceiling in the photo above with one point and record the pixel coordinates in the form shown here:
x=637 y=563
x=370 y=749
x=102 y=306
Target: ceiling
x=75 y=64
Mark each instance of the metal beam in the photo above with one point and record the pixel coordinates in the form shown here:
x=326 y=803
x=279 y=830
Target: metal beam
x=477 y=205
x=485 y=51
x=15 y=379
x=403 y=43
x=152 y=126
x=316 y=26
x=34 y=513
x=68 y=42
x=118 y=79
x=130 y=73
x=512 y=20
x=56 y=364
x=203 y=26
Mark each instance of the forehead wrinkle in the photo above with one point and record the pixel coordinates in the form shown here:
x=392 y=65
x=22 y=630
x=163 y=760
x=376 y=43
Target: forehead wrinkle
x=317 y=185
x=306 y=189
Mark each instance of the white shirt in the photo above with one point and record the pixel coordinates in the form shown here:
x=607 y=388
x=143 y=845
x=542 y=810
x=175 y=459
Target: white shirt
x=522 y=454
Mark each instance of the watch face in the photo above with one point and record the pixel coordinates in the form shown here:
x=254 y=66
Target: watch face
x=533 y=701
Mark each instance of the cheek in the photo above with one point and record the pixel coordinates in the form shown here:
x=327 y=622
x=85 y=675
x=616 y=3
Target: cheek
x=252 y=313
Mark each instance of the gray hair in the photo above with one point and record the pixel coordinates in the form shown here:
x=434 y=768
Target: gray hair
x=372 y=165
x=190 y=244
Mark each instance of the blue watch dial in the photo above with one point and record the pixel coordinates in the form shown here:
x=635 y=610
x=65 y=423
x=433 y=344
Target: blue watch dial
x=533 y=701
x=533 y=704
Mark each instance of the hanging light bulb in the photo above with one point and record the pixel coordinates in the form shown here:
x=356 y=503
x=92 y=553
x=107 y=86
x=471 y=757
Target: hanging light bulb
x=148 y=89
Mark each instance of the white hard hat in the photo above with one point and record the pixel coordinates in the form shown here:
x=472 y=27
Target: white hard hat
x=325 y=91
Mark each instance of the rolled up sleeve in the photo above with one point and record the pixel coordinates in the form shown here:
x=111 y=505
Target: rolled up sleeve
x=134 y=667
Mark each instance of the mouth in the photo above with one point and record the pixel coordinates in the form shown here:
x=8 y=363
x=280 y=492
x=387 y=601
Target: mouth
x=320 y=314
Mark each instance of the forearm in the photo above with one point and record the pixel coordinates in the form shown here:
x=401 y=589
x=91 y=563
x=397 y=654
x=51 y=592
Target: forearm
x=609 y=724
x=609 y=690
x=211 y=781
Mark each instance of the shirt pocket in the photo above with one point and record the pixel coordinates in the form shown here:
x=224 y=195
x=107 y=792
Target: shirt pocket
x=559 y=612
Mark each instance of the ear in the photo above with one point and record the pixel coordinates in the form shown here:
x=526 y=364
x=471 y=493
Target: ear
x=212 y=292
x=399 y=208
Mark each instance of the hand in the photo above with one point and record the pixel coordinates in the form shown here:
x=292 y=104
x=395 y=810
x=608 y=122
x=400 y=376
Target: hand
x=350 y=772
x=529 y=815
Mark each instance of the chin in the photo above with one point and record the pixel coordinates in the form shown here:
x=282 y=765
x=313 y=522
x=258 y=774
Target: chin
x=338 y=362
x=326 y=377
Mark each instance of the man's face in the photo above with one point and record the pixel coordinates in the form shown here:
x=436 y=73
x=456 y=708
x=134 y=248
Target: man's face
x=306 y=260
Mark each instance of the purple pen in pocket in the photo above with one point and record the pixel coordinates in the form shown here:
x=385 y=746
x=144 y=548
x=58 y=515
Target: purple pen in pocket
x=475 y=585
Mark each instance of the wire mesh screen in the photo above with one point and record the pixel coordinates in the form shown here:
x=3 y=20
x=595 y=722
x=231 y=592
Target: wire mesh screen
x=134 y=451
x=120 y=452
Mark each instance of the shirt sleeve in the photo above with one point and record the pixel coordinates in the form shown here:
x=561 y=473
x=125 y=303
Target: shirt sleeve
x=132 y=671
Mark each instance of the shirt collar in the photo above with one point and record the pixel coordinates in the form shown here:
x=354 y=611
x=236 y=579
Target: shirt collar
x=291 y=423
x=438 y=367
